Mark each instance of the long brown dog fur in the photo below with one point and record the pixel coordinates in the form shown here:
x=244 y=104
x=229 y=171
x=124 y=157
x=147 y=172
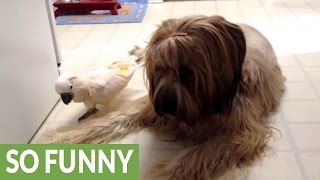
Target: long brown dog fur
x=213 y=88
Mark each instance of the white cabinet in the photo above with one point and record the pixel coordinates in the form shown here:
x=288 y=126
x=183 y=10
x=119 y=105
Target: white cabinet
x=28 y=68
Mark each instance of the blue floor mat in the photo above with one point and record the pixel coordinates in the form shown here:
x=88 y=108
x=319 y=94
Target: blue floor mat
x=132 y=11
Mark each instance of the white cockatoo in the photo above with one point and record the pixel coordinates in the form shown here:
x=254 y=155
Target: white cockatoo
x=99 y=86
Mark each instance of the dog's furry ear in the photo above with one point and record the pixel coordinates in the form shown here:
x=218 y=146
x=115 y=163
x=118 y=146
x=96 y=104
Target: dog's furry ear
x=232 y=59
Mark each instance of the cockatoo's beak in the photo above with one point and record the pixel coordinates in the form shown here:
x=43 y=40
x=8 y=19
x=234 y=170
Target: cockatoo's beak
x=66 y=98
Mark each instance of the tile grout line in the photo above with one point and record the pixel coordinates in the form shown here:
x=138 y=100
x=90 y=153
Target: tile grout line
x=194 y=8
x=308 y=78
x=296 y=58
x=59 y=41
x=294 y=147
x=297 y=153
x=64 y=30
x=138 y=37
x=284 y=122
x=216 y=7
x=294 y=14
x=77 y=44
x=290 y=48
x=106 y=41
x=311 y=7
x=147 y=16
x=241 y=12
x=307 y=122
x=302 y=151
x=144 y=24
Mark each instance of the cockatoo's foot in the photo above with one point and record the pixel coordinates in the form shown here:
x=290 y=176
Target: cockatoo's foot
x=90 y=112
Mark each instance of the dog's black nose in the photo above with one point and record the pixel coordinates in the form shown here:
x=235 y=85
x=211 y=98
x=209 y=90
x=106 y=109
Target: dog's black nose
x=166 y=104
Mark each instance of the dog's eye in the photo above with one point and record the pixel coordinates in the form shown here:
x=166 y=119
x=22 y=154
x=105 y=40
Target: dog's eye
x=185 y=73
x=157 y=68
x=71 y=87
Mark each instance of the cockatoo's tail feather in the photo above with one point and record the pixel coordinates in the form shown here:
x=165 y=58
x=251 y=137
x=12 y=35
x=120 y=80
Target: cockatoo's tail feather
x=124 y=68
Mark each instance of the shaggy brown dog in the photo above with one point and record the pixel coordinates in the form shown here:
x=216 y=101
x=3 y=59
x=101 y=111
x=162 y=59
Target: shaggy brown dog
x=212 y=84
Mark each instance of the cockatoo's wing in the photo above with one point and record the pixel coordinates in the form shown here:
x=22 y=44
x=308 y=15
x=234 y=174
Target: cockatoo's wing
x=105 y=82
x=125 y=67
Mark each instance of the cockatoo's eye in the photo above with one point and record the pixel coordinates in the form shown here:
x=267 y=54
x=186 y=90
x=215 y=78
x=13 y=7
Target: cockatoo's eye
x=71 y=87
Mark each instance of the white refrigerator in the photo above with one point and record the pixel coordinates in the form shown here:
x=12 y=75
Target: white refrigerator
x=28 y=68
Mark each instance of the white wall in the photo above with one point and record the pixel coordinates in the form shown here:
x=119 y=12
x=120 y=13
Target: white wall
x=28 y=69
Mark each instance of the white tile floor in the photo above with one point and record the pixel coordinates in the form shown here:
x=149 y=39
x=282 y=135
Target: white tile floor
x=292 y=26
